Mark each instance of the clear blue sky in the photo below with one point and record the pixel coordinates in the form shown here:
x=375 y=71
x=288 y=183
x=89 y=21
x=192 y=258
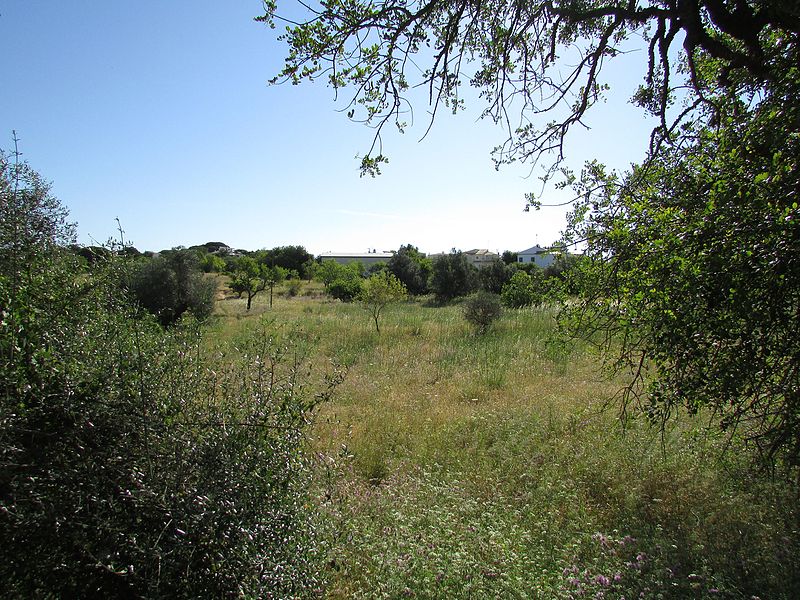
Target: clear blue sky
x=159 y=113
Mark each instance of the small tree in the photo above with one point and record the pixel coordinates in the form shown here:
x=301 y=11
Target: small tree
x=249 y=278
x=273 y=276
x=481 y=310
x=412 y=268
x=379 y=291
x=494 y=276
x=171 y=284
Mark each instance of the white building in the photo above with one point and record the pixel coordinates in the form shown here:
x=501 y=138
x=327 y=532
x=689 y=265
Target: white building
x=542 y=257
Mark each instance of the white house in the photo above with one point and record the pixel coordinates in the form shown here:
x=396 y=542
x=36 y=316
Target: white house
x=366 y=258
x=543 y=257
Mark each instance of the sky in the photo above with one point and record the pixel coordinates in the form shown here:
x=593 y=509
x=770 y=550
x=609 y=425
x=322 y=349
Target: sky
x=160 y=114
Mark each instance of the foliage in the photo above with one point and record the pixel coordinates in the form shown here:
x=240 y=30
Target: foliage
x=380 y=290
x=509 y=257
x=494 y=276
x=345 y=289
x=692 y=275
x=522 y=290
x=412 y=268
x=249 y=277
x=170 y=284
x=693 y=285
x=132 y=464
x=273 y=276
x=291 y=258
x=211 y=263
x=513 y=51
x=481 y=310
x=452 y=276
x=342 y=282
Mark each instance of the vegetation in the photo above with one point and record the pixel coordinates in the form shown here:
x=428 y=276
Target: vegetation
x=458 y=465
x=412 y=268
x=704 y=229
x=452 y=277
x=522 y=290
x=378 y=292
x=481 y=310
x=138 y=462
x=171 y=284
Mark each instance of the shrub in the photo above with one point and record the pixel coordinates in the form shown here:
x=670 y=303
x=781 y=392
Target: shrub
x=481 y=310
x=132 y=465
x=521 y=291
x=345 y=289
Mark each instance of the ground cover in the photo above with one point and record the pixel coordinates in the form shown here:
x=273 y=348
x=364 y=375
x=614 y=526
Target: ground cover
x=456 y=465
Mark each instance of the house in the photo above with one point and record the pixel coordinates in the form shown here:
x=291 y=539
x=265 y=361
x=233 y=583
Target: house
x=542 y=257
x=366 y=258
x=481 y=257
x=477 y=257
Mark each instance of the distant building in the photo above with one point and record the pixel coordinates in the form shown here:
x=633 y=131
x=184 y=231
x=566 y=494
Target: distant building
x=366 y=258
x=481 y=257
x=542 y=257
x=477 y=257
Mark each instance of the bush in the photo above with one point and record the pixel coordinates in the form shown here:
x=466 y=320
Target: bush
x=481 y=310
x=132 y=465
x=345 y=289
x=521 y=291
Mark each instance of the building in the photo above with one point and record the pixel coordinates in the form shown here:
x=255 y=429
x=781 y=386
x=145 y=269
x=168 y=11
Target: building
x=542 y=257
x=481 y=257
x=477 y=257
x=365 y=258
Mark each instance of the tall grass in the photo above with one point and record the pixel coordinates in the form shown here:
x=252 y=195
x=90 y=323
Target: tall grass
x=465 y=466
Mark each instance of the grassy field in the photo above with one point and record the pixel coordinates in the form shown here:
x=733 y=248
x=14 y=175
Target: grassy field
x=452 y=465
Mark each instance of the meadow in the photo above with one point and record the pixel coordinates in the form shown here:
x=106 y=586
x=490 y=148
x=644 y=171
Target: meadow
x=456 y=465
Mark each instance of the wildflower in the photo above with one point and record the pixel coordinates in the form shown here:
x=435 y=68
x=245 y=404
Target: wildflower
x=602 y=580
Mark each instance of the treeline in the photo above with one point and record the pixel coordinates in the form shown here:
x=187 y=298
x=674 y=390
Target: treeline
x=452 y=276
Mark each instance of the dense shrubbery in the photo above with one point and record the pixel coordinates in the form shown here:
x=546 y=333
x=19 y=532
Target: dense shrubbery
x=132 y=464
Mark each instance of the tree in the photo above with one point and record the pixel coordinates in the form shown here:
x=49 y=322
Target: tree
x=452 y=277
x=273 y=276
x=249 y=278
x=693 y=286
x=412 y=268
x=380 y=290
x=510 y=51
x=291 y=258
x=509 y=257
x=494 y=276
x=170 y=284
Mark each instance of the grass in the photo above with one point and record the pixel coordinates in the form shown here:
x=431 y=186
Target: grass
x=453 y=465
